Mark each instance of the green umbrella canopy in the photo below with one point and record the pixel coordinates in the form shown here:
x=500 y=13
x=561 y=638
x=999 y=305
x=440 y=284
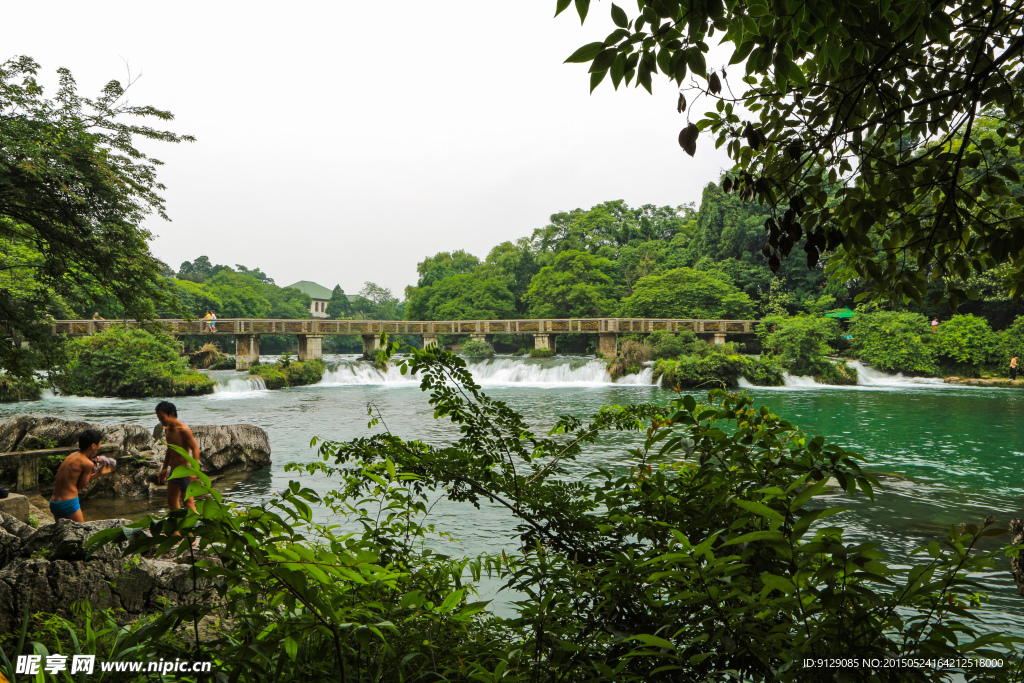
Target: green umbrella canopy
x=842 y=313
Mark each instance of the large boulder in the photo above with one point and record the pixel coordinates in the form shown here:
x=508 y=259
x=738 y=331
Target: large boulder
x=48 y=570
x=34 y=432
x=140 y=453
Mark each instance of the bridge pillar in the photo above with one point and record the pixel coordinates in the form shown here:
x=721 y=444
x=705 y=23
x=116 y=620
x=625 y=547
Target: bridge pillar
x=247 y=351
x=607 y=344
x=429 y=340
x=719 y=337
x=311 y=346
x=544 y=341
x=371 y=342
x=489 y=338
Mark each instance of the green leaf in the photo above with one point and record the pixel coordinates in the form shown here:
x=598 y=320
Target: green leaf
x=807 y=494
x=619 y=16
x=581 y=8
x=763 y=535
x=760 y=509
x=585 y=53
x=561 y=5
x=654 y=641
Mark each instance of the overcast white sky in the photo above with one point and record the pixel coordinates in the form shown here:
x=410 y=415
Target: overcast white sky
x=343 y=141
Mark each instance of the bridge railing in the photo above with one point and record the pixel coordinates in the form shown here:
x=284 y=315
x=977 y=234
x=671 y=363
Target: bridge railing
x=320 y=326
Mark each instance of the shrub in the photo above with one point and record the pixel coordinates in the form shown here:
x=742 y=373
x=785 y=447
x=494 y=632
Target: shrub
x=520 y=352
x=800 y=342
x=128 y=362
x=477 y=348
x=764 y=372
x=207 y=357
x=14 y=388
x=965 y=345
x=718 y=568
x=836 y=373
x=629 y=360
x=541 y=353
x=667 y=345
x=711 y=371
x=294 y=374
x=895 y=341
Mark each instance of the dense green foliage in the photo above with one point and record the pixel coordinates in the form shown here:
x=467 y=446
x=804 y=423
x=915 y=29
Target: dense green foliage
x=894 y=341
x=895 y=188
x=966 y=344
x=629 y=359
x=468 y=296
x=75 y=187
x=706 y=560
x=17 y=388
x=128 y=363
x=576 y=284
x=716 y=370
x=800 y=342
x=287 y=373
x=687 y=293
x=541 y=353
x=477 y=348
x=339 y=306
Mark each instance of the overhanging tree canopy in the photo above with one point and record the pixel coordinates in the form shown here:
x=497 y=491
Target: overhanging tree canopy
x=857 y=123
x=73 y=189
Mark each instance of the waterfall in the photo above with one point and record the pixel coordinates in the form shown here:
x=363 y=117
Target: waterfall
x=497 y=372
x=869 y=377
x=239 y=386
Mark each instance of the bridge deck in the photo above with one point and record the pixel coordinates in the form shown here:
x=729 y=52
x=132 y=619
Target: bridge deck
x=231 y=326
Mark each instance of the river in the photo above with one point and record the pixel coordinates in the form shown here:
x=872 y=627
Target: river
x=960 y=449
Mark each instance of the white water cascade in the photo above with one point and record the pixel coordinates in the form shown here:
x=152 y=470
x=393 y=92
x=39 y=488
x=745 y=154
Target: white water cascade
x=869 y=377
x=238 y=387
x=497 y=372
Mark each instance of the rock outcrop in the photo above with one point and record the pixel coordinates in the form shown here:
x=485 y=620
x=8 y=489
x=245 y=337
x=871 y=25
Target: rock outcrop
x=47 y=570
x=1017 y=563
x=223 y=449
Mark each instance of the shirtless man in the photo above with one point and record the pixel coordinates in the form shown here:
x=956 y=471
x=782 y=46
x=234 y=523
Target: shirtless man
x=176 y=433
x=74 y=474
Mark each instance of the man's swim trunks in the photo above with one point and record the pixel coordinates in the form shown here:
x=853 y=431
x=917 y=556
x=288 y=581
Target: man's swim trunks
x=64 y=508
x=181 y=482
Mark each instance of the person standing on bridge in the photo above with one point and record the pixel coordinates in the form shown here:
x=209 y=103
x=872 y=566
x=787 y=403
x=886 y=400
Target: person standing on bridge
x=213 y=322
x=75 y=473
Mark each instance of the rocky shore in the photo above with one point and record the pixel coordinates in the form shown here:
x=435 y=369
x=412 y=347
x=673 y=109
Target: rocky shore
x=984 y=382
x=46 y=570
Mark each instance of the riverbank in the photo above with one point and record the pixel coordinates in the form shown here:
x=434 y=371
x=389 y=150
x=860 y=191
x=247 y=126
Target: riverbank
x=986 y=382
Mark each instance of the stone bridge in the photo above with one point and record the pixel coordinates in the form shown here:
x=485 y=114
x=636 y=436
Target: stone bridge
x=311 y=332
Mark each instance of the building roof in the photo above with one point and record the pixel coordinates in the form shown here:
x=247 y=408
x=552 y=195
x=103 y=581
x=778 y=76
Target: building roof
x=314 y=290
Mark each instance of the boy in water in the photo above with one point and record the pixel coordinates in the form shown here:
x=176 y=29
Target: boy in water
x=176 y=433
x=75 y=473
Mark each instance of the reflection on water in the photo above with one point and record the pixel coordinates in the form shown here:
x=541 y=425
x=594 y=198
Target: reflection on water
x=960 y=448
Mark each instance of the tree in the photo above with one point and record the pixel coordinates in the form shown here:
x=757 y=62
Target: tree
x=799 y=343
x=469 y=296
x=895 y=341
x=687 y=293
x=376 y=302
x=965 y=344
x=575 y=285
x=339 y=306
x=846 y=124
x=444 y=264
x=242 y=296
x=74 y=187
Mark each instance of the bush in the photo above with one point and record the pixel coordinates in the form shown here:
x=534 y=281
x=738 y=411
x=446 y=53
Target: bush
x=800 y=342
x=667 y=345
x=895 y=341
x=711 y=371
x=718 y=568
x=836 y=373
x=629 y=360
x=764 y=372
x=477 y=348
x=965 y=345
x=291 y=374
x=130 y=363
x=14 y=388
x=520 y=352
x=541 y=353
x=210 y=357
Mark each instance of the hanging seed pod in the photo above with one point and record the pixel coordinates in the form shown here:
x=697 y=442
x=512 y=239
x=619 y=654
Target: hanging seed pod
x=681 y=104
x=688 y=139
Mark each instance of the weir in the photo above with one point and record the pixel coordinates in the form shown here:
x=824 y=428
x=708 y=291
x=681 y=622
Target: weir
x=310 y=333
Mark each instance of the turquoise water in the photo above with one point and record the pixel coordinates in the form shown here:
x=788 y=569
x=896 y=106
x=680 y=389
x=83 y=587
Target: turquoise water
x=960 y=450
